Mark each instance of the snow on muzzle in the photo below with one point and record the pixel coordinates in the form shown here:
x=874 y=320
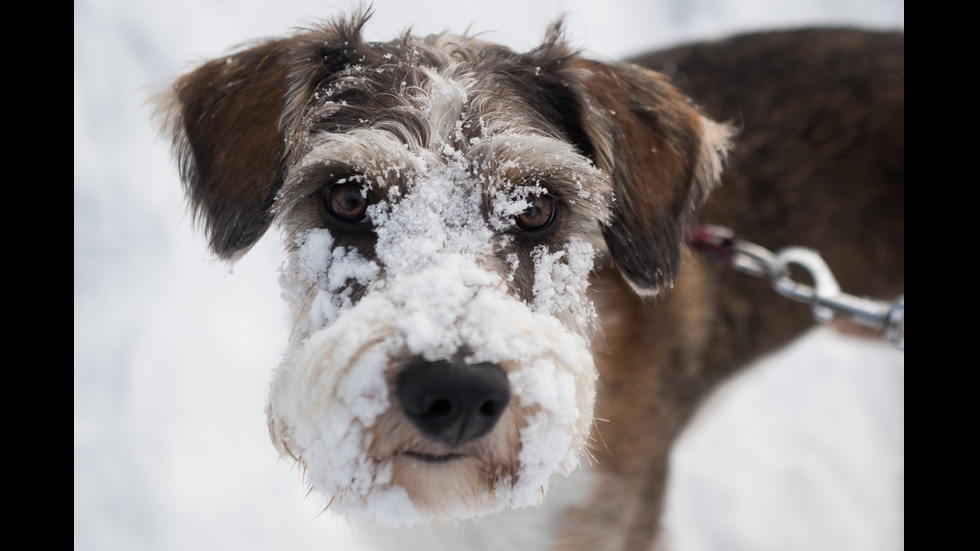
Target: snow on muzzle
x=334 y=390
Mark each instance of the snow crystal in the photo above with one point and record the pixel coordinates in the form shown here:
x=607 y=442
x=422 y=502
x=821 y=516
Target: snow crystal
x=560 y=287
x=314 y=252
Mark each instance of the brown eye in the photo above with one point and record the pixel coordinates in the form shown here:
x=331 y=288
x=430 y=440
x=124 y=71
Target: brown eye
x=539 y=213
x=346 y=202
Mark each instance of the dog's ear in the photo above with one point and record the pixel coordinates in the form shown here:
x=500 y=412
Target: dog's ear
x=663 y=157
x=223 y=118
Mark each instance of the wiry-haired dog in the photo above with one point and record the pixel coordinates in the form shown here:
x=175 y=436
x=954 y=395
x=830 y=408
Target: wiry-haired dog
x=486 y=249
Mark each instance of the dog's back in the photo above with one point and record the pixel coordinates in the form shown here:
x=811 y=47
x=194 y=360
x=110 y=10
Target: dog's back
x=818 y=161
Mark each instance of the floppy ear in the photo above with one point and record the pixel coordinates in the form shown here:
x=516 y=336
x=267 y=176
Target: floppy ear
x=223 y=118
x=663 y=157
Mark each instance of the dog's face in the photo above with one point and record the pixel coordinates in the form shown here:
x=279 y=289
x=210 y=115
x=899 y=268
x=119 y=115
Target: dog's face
x=443 y=202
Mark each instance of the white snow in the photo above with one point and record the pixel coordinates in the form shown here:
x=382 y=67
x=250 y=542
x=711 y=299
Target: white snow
x=174 y=352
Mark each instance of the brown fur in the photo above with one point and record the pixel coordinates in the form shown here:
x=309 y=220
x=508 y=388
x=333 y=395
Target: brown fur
x=818 y=161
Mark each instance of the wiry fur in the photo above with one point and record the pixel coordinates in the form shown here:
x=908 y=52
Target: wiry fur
x=450 y=138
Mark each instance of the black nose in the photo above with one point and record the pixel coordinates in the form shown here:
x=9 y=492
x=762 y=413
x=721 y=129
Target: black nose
x=452 y=402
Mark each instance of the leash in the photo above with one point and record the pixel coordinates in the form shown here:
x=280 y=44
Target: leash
x=825 y=297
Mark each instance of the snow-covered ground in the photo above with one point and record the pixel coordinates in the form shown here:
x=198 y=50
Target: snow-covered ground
x=173 y=351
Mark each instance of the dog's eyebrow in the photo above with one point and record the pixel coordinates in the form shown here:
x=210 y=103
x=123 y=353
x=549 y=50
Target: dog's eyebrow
x=366 y=151
x=521 y=159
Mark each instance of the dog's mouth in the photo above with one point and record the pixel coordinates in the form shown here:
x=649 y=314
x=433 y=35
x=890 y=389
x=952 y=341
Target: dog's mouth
x=436 y=459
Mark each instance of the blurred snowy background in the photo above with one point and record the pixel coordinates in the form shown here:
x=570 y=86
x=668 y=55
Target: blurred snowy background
x=173 y=350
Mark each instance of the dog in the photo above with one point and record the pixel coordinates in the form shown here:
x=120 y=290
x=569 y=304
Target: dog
x=489 y=265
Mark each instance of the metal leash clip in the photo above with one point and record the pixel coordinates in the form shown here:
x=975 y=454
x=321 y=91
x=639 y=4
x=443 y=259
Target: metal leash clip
x=824 y=296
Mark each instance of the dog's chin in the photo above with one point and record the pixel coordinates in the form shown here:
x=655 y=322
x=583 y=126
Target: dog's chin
x=450 y=481
x=452 y=485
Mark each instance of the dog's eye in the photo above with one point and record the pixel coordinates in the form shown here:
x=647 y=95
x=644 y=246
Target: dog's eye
x=538 y=215
x=346 y=202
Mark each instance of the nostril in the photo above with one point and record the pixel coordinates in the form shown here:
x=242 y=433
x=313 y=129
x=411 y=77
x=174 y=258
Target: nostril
x=453 y=402
x=439 y=408
x=492 y=408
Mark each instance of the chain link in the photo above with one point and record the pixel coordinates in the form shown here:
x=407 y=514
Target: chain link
x=824 y=296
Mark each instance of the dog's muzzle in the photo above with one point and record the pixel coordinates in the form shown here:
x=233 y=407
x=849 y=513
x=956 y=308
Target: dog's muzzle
x=391 y=420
